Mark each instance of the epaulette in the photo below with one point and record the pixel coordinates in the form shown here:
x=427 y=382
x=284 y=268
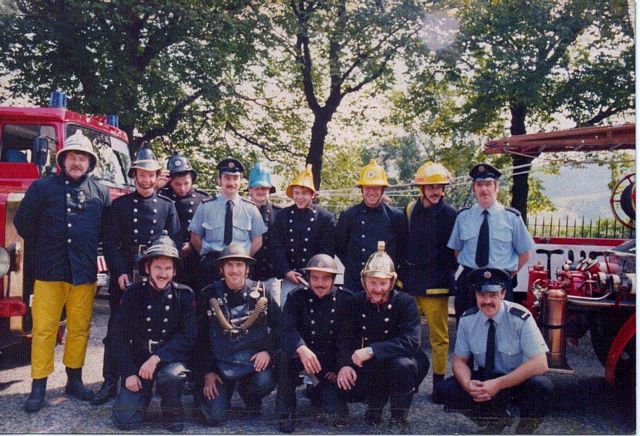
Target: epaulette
x=164 y=197
x=470 y=311
x=522 y=314
x=344 y=289
x=463 y=209
x=208 y=200
x=513 y=210
x=182 y=287
x=248 y=201
x=199 y=191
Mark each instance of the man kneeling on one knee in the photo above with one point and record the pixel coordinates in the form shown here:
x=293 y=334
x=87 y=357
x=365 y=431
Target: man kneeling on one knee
x=510 y=351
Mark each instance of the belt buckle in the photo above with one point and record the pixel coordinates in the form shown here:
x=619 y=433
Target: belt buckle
x=152 y=345
x=235 y=334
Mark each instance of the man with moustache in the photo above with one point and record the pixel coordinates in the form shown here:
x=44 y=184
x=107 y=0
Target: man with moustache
x=510 y=353
x=62 y=216
x=186 y=199
x=153 y=333
x=310 y=327
x=428 y=272
x=260 y=186
x=300 y=231
x=488 y=235
x=134 y=222
x=379 y=354
x=229 y=219
x=238 y=328
x=360 y=227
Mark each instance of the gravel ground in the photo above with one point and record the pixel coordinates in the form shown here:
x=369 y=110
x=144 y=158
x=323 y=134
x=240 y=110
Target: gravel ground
x=583 y=403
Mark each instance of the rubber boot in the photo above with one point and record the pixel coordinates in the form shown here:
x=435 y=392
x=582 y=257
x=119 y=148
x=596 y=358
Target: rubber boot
x=35 y=401
x=108 y=390
x=75 y=387
x=435 y=398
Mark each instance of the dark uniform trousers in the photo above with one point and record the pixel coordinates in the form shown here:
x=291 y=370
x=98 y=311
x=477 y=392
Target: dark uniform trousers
x=533 y=397
x=466 y=298
x=169 y=379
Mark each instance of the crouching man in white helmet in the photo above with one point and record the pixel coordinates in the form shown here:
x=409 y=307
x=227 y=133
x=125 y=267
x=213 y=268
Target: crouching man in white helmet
x=378 y=351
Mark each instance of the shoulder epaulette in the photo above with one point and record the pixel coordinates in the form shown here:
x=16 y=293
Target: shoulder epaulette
x=522 y=314
x=164 y=197
x=513 y=210
x=182 y=287
x=248 y=201
x=199 y=191
x=463 y=209
x=470 y=311
x=208 y=200
x=344 y=289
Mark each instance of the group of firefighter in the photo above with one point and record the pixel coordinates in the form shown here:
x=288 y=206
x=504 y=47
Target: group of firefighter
x=226 y=292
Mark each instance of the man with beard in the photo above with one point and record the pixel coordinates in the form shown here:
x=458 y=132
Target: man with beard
x=153 y=333
x=134 y=222
x=510 y=352
x=379 y=355
x=310 y=327
x=229 y=219
x=238 y=327
x=300 y=231
x=488 y=235
x=361 y=226
x=186 y=200
x=428 y=273
x=62 y=216
x=260 y=186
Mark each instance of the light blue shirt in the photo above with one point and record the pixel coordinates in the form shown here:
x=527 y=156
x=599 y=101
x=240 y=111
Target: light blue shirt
x=517 y=339
x=508 y=237
x=208 y=223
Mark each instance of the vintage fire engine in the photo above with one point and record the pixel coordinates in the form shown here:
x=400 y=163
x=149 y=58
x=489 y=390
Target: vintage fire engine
x=593 y=291
x=29 y=139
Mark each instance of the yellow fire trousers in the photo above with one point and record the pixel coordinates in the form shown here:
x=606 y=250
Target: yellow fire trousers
x=436 y=310
x=49 y=298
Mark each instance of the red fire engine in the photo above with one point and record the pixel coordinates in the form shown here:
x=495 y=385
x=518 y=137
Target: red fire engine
x=596 y=292
x=29 y=140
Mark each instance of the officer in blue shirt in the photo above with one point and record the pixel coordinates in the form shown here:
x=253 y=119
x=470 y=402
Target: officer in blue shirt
x=510 y=353
x=229 y=219
x=488 y=234
x=360 y=227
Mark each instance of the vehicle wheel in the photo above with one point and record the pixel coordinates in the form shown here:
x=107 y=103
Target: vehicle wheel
x=604 y=327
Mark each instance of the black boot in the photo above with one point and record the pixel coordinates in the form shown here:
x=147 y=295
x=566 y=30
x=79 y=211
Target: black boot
x=75 y=387
x=435 y=398
x=400 y=403
x=373 y=415
x=528 y=425
x=108 y=390
x=35 y=401
x=286 y=422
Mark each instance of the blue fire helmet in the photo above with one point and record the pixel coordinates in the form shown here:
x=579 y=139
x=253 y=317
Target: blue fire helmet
x=260 y=178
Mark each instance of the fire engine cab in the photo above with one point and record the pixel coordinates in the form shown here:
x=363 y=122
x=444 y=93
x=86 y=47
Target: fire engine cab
x=29 y=140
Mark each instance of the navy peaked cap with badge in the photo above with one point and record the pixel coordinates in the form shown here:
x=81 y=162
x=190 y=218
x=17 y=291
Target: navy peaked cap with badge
x=230 y=166
x=484 y=171
x=489 y=280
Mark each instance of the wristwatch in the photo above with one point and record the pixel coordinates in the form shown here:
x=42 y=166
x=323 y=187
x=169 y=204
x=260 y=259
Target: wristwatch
x=369 y=351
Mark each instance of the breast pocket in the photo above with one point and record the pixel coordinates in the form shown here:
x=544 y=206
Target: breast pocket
x=503 y=237
x=511 y=355
x=213 y=230
x=468 y=235
x=241 y=228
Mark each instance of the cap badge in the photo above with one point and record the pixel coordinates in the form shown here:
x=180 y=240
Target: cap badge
x=481 y=169
x=231 y=165
x=487 y=275
x=371 y=174
x=178 y=163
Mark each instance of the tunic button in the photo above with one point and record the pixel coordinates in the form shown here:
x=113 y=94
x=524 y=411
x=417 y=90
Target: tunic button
x=386 y=331
x=68 y=195
x=308 y=229
x=66 y=182
x=68 y=209
x=304 y=249
x=313 y=322
x=290 y=221
x=331 y=322
x=313 y=332
x=310 y=300
x=155 y=200
x=389 y=306
x=290 y=230
x=148 y=319
x=291 y=211
x=292 y=250
x=135 y=230
x=135 y=210
x=291 y=240
x=386 y=320
x=165 y=320
x=135 y=200
x=149 y=330
x=364 y=249
x=155 y=210
x=149 y=307
x=166 y=307
x=362 y=222
x=330 y=332
x=164 y=331
x=191 y=203
x=333 y=310
x=306 y=239
x=190 y=210
x=135 y=220
x=362 y=236
x=151 y=232
x=364 y=327
x=311 y=219
x=69 y=241
x=170 y=296
x=362 y=263
x=69 y=225
x=304 y=260
x=155 y=221
x=311 y=311
x=364 y=316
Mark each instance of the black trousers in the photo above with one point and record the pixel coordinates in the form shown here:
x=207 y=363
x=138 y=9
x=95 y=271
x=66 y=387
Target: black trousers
x=110 y=360
x=189 y=271
x=466 y=298
x=533 y=398
x=394 y=380
x=288 y=380
x=129 y=406
x=208 y=270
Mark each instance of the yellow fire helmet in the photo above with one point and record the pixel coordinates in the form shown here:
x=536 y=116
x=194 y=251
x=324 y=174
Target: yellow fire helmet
x=379 y=265
x=373 y=174
x=304 y=179
x=432 y=174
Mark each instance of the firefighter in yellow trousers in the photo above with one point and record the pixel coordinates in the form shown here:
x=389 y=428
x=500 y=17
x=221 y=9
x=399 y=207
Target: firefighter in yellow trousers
x=428 y=271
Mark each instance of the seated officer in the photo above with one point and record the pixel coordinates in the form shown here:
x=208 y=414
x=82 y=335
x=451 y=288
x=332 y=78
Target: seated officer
x=378 y=348
x=237 y=327
x=153 y=333
x=511 y=353
x=310 y=327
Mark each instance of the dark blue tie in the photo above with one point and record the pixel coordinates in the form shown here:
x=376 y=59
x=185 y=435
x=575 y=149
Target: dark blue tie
x=482 y=249
x=228 y=223
x=490 y=353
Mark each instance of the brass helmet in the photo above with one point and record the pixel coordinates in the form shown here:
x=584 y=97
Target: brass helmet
x=78 y=142
x=323 y=263
x=162 y=246
x=304 y=179
x=235 y=252
x=432 y=174
x=379 y=265
x=145 y=160
x=373 y=174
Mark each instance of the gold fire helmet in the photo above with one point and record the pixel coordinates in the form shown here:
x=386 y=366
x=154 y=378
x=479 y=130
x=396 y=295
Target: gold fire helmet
x=432 y=174
x=379 y=265
x=304 y=179
x=373 y=174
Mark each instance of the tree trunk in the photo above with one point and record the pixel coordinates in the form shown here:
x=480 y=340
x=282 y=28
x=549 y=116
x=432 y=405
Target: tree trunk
x=319 y=132
x=520 y=186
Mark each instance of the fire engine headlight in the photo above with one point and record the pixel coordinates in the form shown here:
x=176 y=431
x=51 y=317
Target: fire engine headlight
x=5 y=261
